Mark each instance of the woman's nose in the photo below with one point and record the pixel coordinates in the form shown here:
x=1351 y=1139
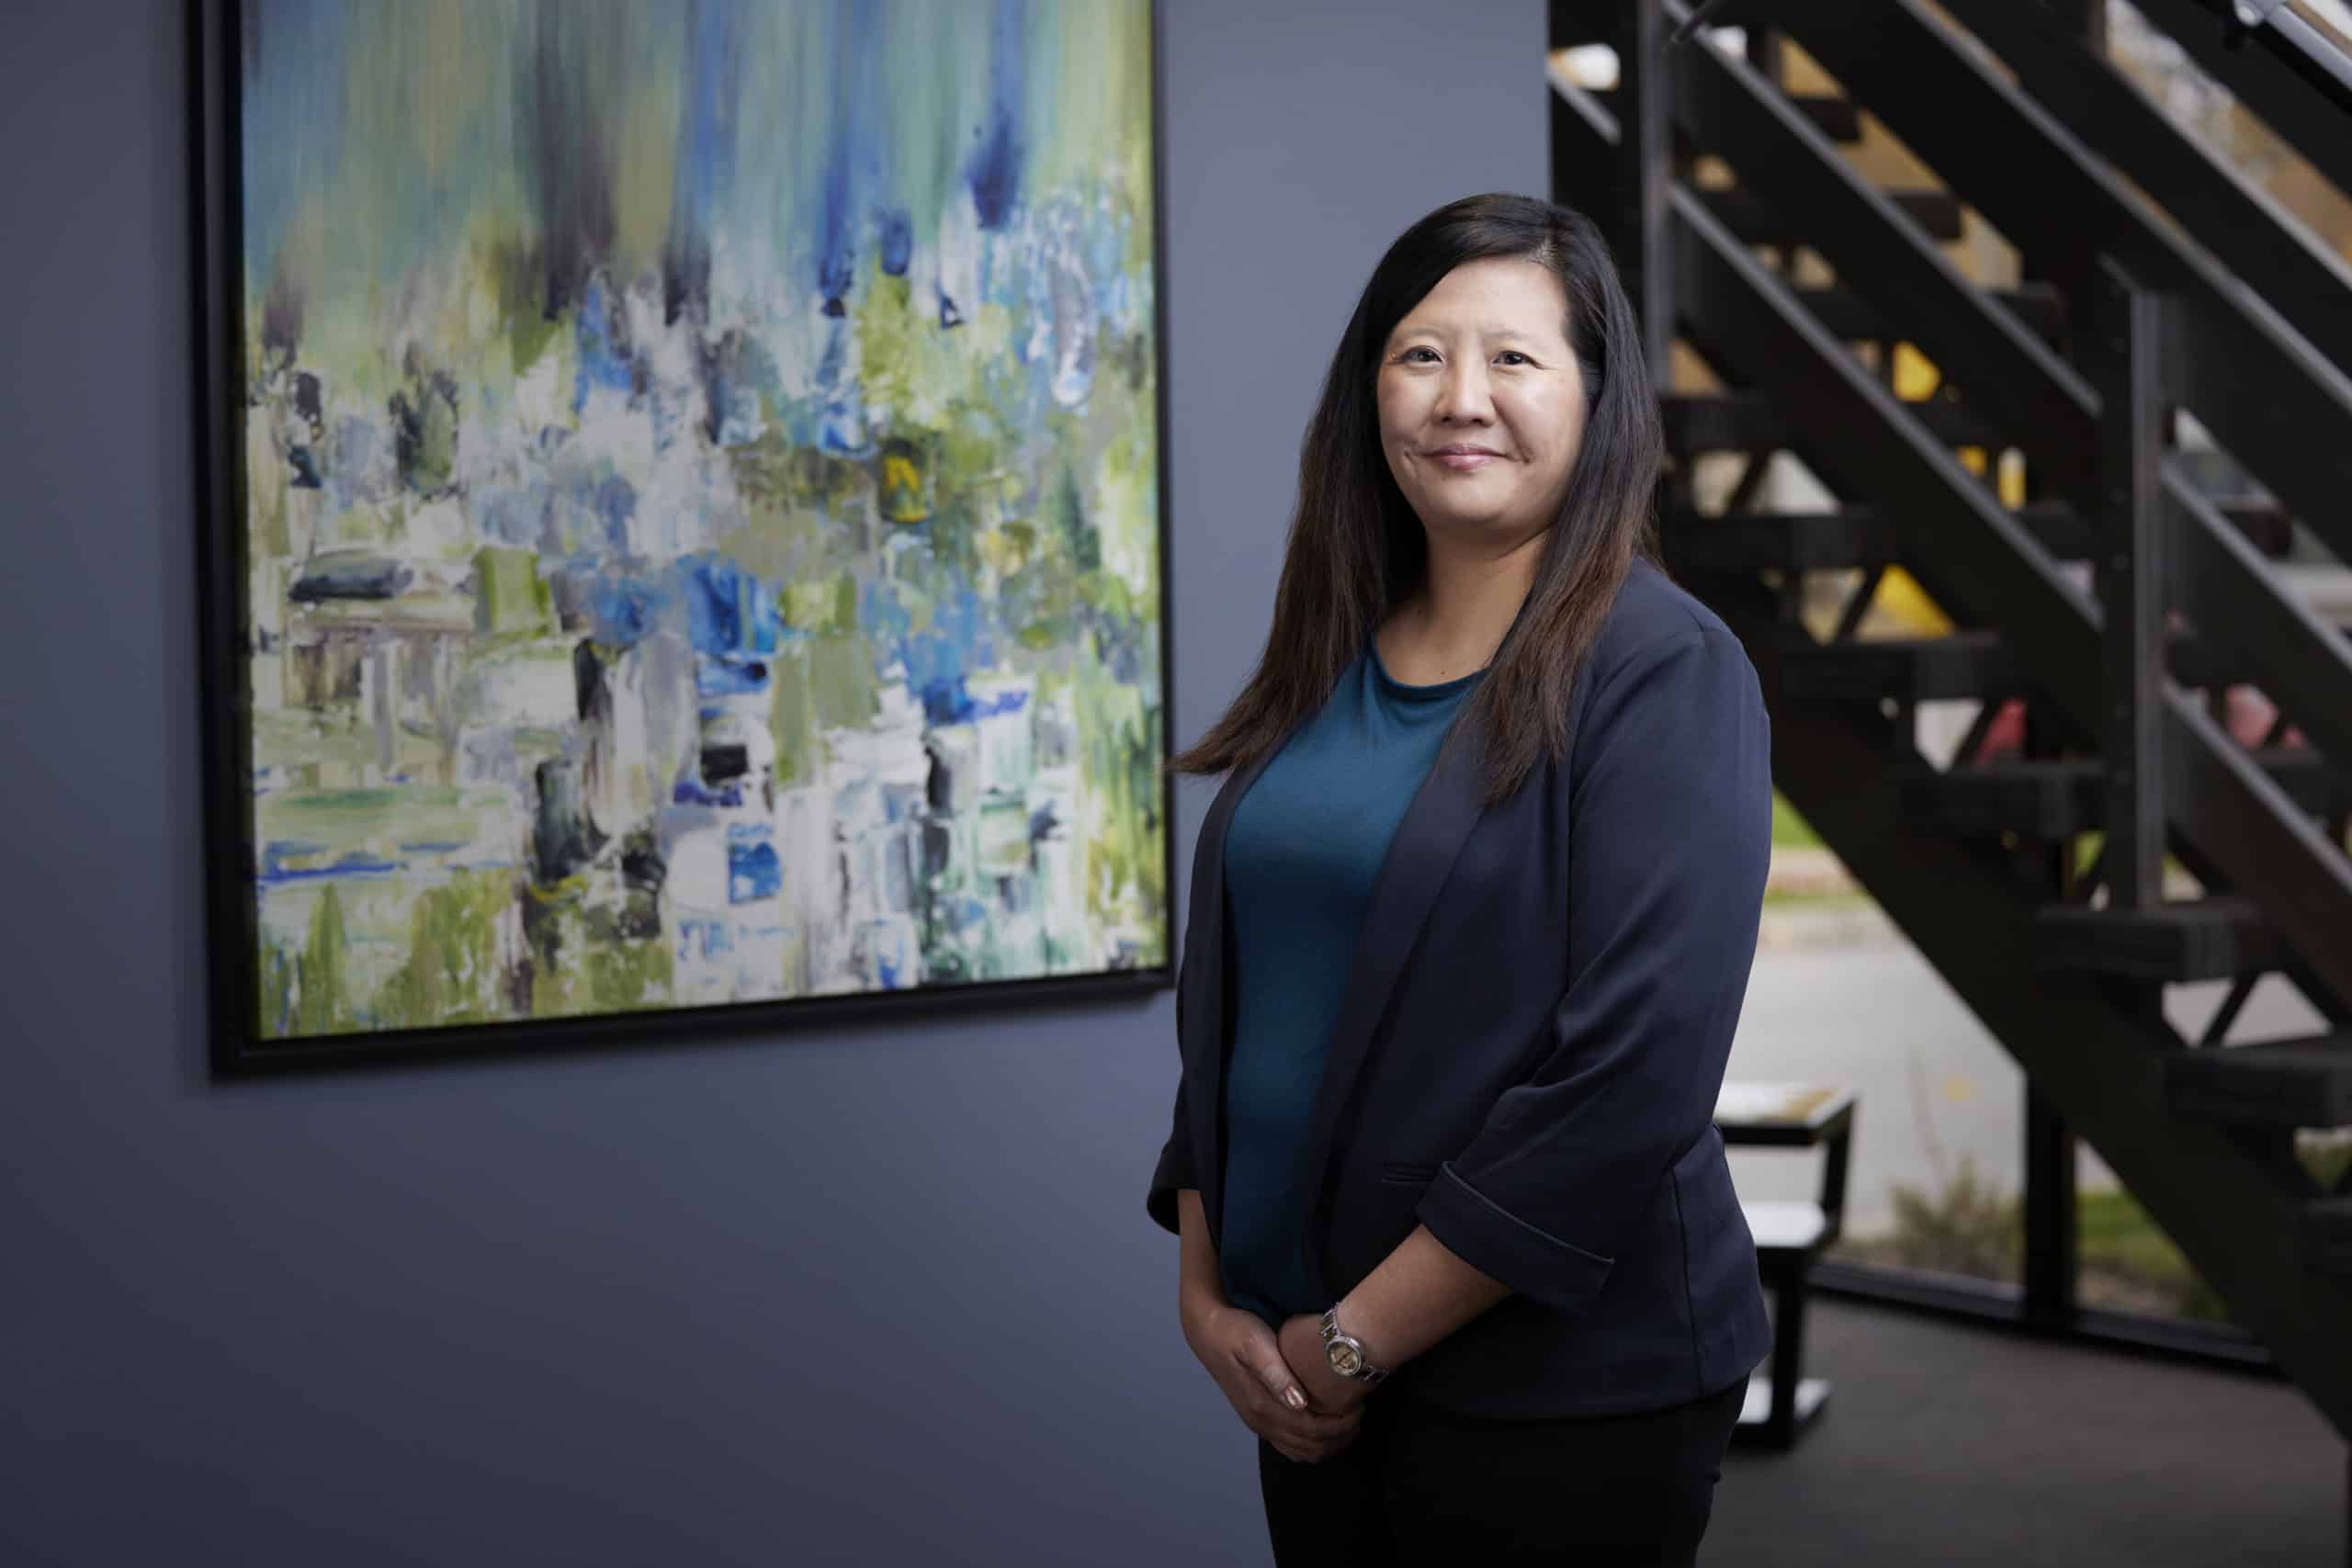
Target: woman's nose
x=1461 y=397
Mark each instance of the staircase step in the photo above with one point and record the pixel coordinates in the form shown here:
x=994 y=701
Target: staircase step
x=1973 y=663
x=1753 y=222
x=2037 y=799
x=2327 y=1236
x=2294 y=1083
x=1749 y=421
x=1840 y=119
x=2216 y=937
x=1910 y=670
x=1830 y=541
x=2040 y=306
x=1864 y=535
x=2056 y=799
x=2195 y=663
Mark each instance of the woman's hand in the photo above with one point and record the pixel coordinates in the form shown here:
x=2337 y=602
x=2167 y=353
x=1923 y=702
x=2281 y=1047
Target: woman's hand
x=1301 y=1343
x=1240 y=1353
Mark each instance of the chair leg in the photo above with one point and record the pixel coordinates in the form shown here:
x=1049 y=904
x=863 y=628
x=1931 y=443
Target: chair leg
x=1788 y=1359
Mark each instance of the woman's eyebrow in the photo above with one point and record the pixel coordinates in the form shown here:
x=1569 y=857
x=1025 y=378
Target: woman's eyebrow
x=1483 y=329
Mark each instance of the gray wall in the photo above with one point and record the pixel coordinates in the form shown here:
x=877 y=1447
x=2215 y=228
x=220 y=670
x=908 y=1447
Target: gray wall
x=873 y=1295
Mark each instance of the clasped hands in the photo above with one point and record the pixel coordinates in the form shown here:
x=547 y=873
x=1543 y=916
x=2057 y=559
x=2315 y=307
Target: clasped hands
x=1259 y=1370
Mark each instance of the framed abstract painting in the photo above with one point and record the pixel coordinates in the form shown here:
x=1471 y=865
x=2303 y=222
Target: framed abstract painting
x=683 y=515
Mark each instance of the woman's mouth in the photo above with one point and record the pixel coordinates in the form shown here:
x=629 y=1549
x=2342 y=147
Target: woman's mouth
x=1463 y=459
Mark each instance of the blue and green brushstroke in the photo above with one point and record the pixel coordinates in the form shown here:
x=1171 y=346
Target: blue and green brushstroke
x=702 y=501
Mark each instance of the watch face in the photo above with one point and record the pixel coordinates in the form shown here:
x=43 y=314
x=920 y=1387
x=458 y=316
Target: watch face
x=1343 y=1358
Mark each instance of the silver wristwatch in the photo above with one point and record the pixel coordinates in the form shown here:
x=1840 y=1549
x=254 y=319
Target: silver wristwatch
x=1345 y=1352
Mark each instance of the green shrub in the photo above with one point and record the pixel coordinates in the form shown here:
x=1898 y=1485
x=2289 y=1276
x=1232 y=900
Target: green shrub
x=2124 y=1260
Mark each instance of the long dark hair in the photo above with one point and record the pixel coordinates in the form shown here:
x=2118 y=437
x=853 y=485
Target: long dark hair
x=1357 y=549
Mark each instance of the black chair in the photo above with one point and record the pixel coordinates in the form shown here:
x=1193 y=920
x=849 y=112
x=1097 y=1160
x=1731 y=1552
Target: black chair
x=1789 y=1236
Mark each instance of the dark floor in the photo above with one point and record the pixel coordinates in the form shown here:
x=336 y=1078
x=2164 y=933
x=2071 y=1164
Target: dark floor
x=1944 y=1443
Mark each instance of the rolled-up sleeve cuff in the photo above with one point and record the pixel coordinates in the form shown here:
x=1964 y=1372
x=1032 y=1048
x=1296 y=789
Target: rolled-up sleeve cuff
x=1535 y=1263
x=1173 y=1172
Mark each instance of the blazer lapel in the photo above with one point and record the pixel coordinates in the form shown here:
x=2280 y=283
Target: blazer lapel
x=1429 y=840
x=1206 y=1009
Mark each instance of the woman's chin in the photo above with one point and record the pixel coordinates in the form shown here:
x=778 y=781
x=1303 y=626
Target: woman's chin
x=1474 y=525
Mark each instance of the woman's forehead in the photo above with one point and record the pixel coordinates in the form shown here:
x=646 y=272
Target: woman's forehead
x=1495 y=296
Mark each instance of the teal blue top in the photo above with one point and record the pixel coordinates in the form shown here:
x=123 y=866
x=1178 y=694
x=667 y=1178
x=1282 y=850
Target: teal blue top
x=1300 y=856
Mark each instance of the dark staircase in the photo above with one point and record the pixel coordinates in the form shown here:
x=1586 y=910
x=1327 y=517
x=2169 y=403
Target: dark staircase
x=2139 y=577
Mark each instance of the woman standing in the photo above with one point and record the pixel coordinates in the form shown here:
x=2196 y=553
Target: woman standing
x=1471 y=924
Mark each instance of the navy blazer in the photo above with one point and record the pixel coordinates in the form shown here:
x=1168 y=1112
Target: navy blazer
x=1536 y=1021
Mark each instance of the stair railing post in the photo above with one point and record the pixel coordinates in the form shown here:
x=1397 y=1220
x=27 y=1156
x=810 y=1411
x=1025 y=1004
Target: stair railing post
x=1644 y=167
x=1584 y=183
x=1645 y=173
x=2051 y=1218
x=2050 y=1268
x=2133 y=415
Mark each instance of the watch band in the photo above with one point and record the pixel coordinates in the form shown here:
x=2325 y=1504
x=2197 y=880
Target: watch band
x=1345 y=1351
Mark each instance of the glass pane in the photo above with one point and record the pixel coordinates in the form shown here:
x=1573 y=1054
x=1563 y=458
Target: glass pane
x=2124 y=1261
x=1839 y=998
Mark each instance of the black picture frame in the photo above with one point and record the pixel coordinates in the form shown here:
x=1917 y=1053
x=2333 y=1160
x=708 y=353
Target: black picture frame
x=231 y=917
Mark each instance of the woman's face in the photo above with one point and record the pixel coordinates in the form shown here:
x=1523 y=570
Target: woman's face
x=1481 y=404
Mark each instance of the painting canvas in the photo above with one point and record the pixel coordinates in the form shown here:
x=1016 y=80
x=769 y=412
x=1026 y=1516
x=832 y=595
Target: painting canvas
x=696 y=512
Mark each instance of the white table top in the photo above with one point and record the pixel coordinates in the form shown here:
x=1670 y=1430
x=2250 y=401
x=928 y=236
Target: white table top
x=1750 y=1101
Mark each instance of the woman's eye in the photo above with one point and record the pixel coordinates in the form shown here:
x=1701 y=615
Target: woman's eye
x=1512 y=356
x=1420 y=355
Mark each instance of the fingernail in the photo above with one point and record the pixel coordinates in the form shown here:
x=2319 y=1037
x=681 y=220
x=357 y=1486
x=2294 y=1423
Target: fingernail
x=1294 y=1399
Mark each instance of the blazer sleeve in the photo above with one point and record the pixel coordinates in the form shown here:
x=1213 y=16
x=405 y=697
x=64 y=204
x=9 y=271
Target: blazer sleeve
x=1174 y=1170
x=1669 y=839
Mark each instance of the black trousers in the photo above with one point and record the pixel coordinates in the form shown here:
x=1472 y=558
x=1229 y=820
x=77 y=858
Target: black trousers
x=1417 y=1485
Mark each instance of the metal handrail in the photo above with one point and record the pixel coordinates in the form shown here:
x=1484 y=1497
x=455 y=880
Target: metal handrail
x=2288 y=34
x=2285 y=33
